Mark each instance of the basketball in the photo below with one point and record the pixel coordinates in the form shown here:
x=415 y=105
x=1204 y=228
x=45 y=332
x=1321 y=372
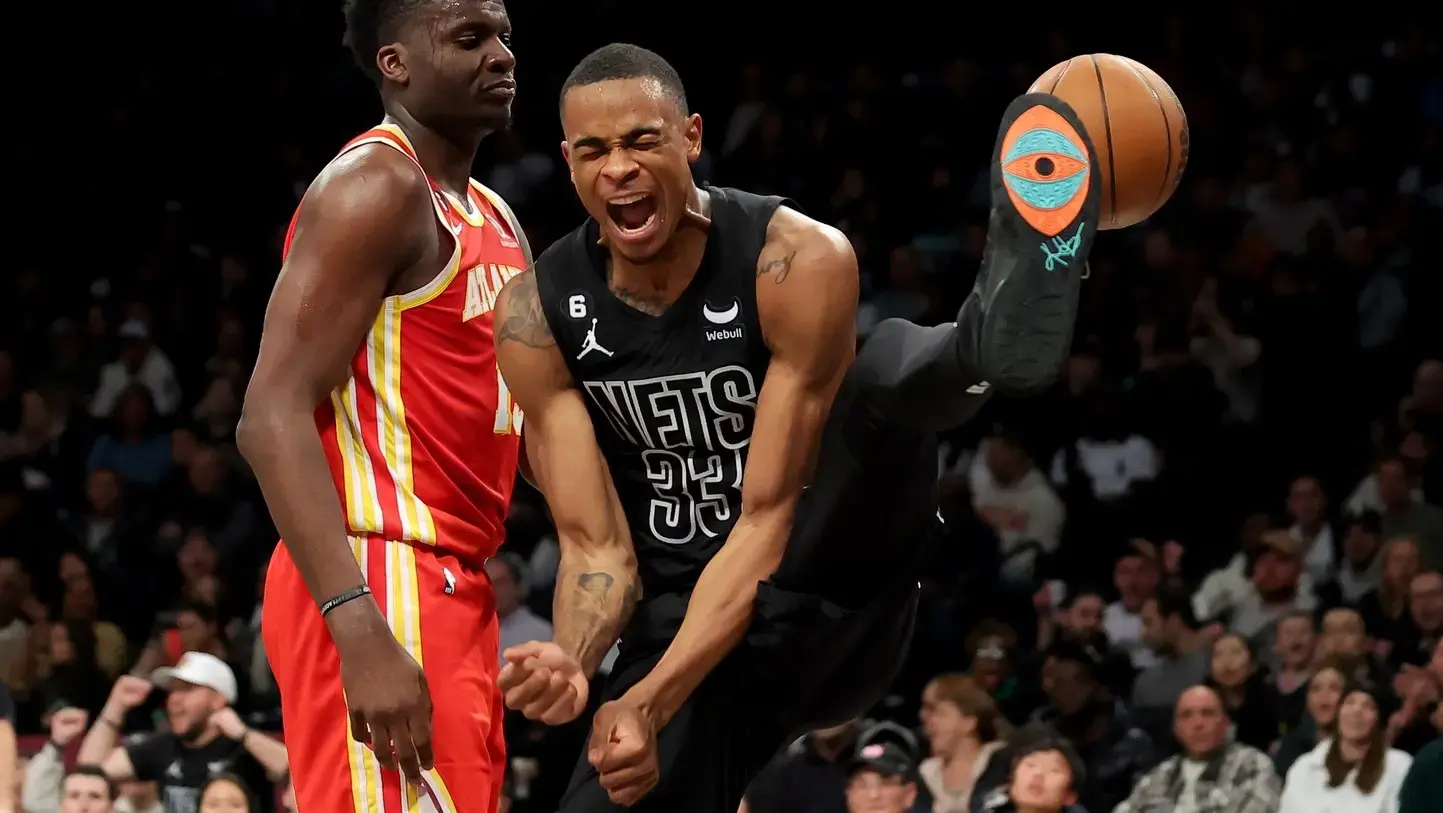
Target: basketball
x=1137 y=126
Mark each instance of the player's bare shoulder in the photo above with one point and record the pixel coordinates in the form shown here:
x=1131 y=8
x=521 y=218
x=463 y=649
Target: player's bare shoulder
x=520 y=318
x=807 y=279
x=373 y=194
x=797 y=242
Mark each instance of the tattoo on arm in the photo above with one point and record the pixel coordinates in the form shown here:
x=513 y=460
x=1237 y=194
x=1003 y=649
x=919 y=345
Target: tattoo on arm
x=525 y=322
x=777 y=264
x=592 y=612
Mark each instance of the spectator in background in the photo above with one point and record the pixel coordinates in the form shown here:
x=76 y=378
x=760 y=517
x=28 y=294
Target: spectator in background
x=226 y=793
x=881 y=778
x=85 y=789
x=1183 y=660
x=1212 y=774
x=47 y=788
x=1405 y=513
x=1276 y=586
x=1243 y=689
x=961 y=724
x=1012 y=496
x=206 y=736
x=133 y=448
x=519 y=624
x=1385 y=610
x=103 y=527
x=1416 y=641
x=1362 y=567
x=1046 y=777
x=1308 y=508
x=1356 y=771
x=1079 y=708
x=1135 y=576
x=141 y=364
x=1420 y=720
x=1295 y=652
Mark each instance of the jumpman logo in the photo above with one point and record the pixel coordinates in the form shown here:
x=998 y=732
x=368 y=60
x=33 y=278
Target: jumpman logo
x=590 y=343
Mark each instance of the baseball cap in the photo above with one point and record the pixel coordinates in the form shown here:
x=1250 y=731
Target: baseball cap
x=884 y=758
x=1280 y=542
x=198 y=669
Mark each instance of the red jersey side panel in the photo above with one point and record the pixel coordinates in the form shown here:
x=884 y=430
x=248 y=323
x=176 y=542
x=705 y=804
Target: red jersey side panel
x=423 y=438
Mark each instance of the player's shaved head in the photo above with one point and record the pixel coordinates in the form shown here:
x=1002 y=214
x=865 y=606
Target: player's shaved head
x=622 y=61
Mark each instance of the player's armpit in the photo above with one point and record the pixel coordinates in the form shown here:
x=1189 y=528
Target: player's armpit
x=807 y=299
x=597 y=586
x=367 y=219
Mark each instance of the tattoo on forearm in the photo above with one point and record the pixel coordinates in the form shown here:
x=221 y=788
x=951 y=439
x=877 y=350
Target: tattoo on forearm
x=591 y=612
x=777 y=267
x=525 y=322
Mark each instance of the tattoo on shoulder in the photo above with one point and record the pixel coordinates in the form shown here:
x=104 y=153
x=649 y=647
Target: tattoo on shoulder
x=776 y=259
x=525 y=322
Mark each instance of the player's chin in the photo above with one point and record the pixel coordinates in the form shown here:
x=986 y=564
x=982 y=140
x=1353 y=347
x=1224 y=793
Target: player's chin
x=493 y=116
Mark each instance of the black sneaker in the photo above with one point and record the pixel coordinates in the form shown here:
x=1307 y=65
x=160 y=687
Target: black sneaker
x=1046 y=201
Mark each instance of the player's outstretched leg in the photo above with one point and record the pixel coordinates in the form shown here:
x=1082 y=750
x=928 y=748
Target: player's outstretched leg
x=1014 y=331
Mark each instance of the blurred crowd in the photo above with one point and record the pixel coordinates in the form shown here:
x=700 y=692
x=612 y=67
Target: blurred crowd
x=1203 y=574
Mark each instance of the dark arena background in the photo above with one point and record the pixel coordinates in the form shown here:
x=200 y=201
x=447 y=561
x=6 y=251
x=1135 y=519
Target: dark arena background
x=1236 y=482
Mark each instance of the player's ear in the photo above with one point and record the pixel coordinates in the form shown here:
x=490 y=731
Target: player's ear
x=566 y=156
x=391 y=62
x=692 y=133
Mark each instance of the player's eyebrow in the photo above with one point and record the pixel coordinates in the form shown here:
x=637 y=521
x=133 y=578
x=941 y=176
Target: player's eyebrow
x=632 y=136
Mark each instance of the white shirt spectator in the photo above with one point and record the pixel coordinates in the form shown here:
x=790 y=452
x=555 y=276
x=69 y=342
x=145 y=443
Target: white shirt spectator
x=1026 y=511
x=1111 y=466
x=1306 y=789
x=156 y=373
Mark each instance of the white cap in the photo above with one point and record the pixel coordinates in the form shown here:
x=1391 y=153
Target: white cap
x=198 y=669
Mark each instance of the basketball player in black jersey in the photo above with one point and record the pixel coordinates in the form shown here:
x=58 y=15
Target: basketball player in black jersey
x=738 y=499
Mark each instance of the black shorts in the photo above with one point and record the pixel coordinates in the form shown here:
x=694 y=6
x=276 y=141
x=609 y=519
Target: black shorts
x=830 y=628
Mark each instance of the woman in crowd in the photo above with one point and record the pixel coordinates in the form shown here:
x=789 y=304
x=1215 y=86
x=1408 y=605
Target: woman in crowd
x=1355 y=771
x=961 y=723
x=1385 y=610
x=1325 y=693
x=226 y=793
x=1234 y=675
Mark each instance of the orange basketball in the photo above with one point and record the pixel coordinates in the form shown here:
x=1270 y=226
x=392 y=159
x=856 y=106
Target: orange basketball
x=1137 y=126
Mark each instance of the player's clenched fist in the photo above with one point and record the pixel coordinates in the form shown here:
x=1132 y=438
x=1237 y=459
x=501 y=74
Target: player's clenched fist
x=623 y=752
x=543 y=683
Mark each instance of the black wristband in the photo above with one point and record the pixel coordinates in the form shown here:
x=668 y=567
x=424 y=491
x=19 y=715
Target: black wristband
x=350 y=595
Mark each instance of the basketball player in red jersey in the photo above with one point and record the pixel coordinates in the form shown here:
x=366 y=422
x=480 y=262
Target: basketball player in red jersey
x=382 y=435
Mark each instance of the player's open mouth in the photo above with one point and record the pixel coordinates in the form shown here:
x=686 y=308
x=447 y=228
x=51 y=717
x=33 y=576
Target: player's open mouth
x=634 y=216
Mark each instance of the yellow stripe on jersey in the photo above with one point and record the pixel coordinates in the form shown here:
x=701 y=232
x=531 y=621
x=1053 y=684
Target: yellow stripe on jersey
x=363 y=506
x=384 y=354
x=365 y=768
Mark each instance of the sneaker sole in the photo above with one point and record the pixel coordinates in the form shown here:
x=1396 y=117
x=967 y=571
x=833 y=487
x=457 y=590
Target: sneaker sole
x=1045 y=207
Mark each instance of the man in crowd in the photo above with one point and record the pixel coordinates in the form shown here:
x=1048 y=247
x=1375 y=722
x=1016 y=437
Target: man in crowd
x=1211 y=775
x=881 y=778
x=1113 y=750
x=206 y=736
x=1171 y=631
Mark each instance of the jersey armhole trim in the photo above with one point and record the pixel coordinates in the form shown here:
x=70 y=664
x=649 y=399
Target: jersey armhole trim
x=414 y=299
